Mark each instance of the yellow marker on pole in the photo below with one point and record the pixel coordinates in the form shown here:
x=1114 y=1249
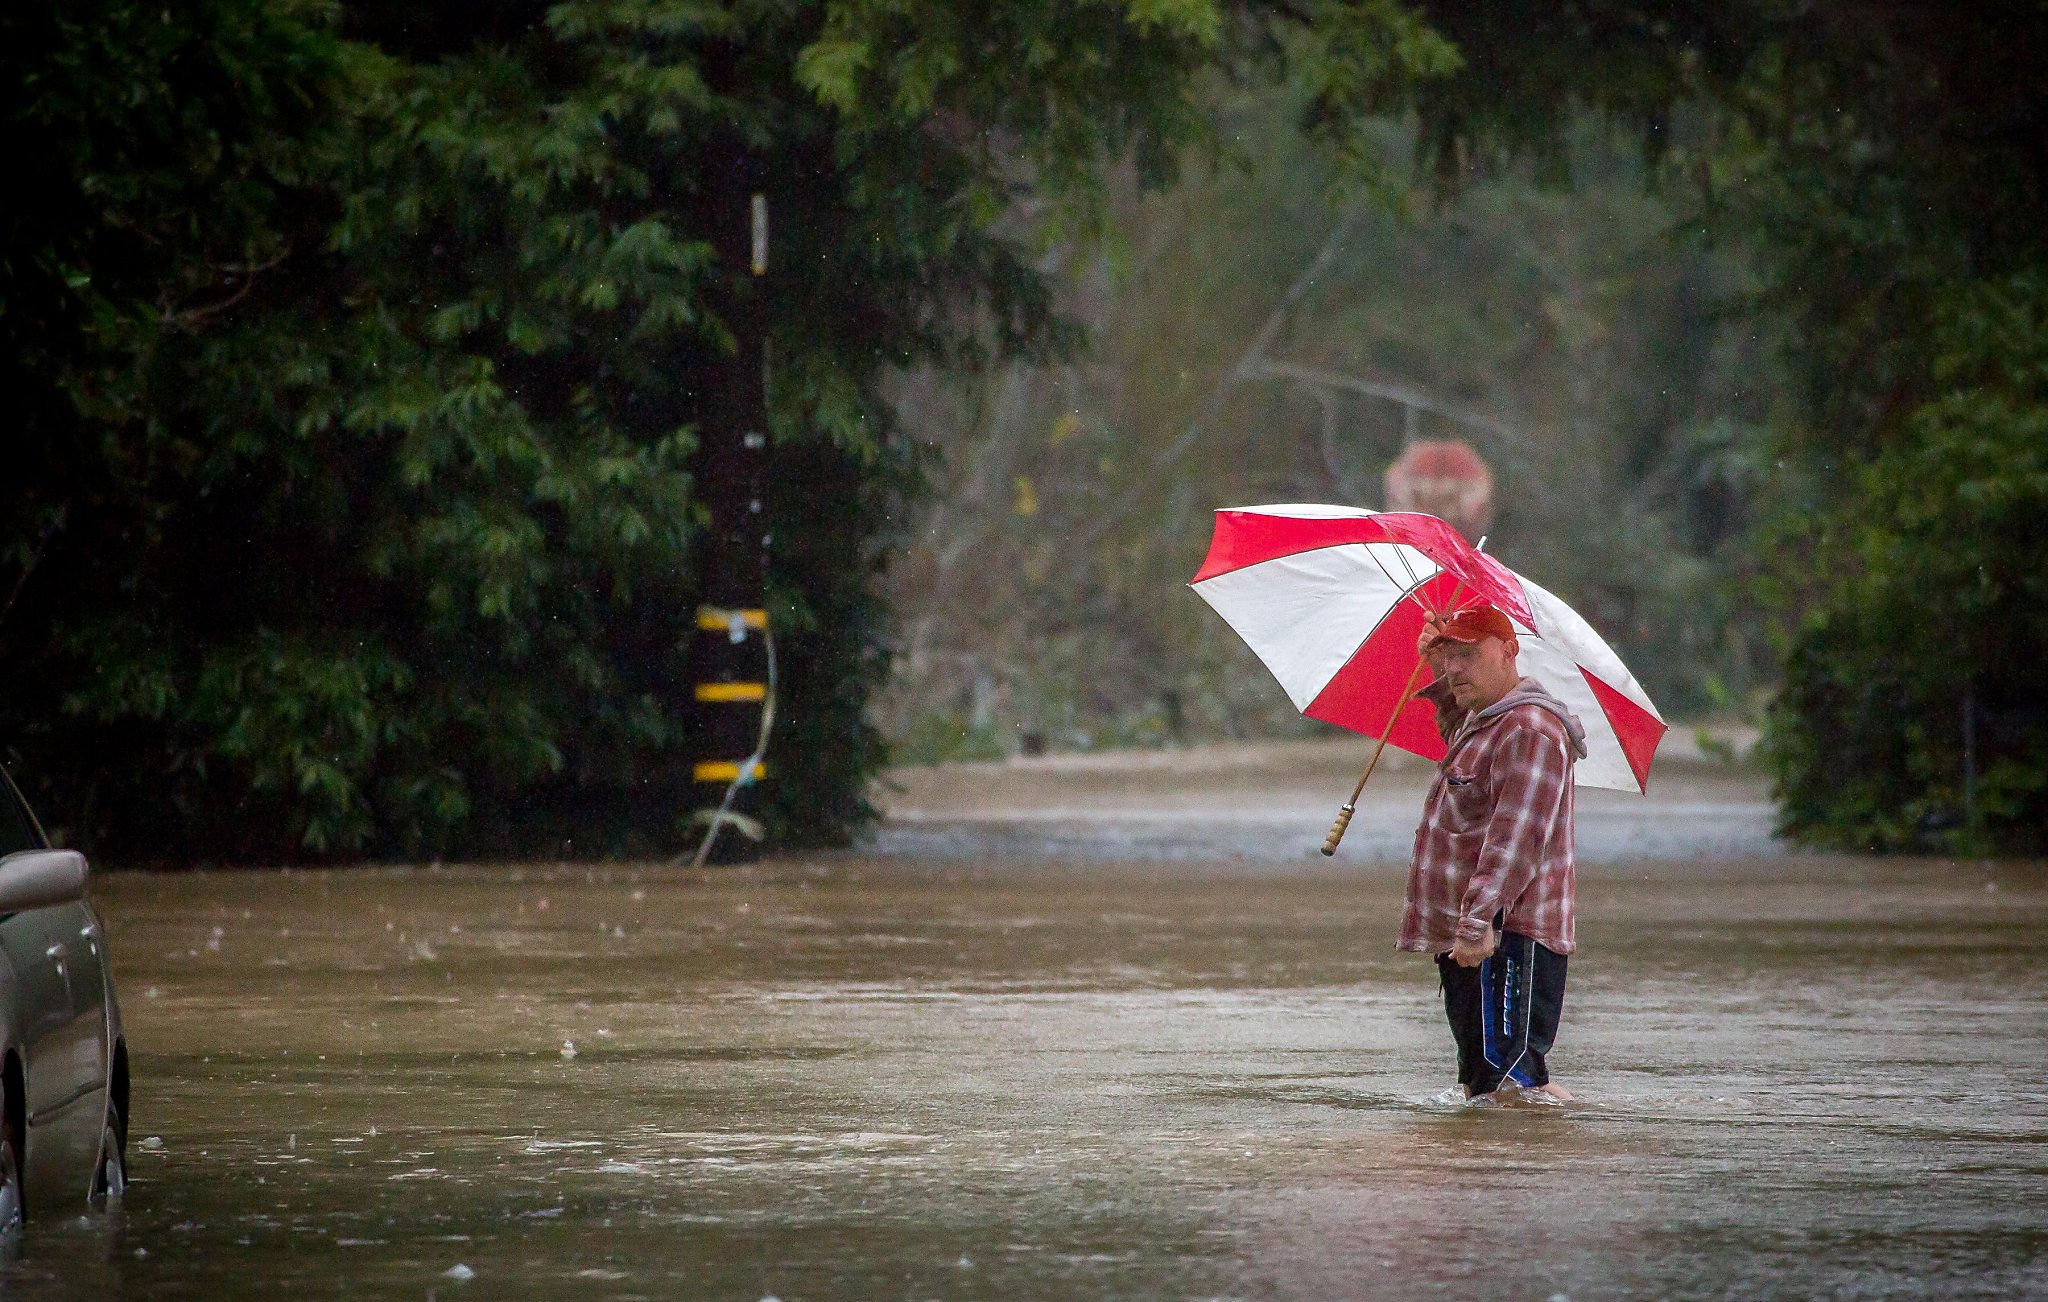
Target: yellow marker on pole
x=723 y=693
x=726 y=771
x=712 y=618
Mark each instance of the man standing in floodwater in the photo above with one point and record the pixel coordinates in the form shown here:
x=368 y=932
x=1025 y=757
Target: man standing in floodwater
x=1490 y=891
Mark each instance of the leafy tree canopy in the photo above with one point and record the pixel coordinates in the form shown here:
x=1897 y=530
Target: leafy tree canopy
x=1887 y=165
x=369 y=353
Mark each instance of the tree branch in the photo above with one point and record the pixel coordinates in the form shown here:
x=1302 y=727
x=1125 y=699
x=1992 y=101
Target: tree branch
x=247 y=271
x=1249 y=363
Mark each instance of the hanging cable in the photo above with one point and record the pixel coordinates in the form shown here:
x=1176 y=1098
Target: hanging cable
x=748 y=769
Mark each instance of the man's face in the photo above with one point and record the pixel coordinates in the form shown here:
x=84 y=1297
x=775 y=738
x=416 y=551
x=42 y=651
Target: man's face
x=1477 y=673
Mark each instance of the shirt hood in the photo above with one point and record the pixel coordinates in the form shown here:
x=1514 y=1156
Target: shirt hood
x=1530 y=692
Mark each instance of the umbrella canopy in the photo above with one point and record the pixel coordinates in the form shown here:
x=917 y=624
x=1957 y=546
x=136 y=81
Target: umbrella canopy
x=1333 y=598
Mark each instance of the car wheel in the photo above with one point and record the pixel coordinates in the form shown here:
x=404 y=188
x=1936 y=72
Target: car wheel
x=10 y=1175
x=110 y=1177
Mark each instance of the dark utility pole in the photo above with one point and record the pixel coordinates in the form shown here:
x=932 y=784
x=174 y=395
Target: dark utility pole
x=730 y=654
x=1970 y=827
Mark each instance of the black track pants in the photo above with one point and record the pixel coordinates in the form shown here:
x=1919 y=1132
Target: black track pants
x=1504 y=1013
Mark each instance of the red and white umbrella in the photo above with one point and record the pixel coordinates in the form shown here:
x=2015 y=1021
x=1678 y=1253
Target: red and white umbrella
x=1332 y=599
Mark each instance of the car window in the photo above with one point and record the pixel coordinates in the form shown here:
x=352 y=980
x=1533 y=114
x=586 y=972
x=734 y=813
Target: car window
x=16 y=832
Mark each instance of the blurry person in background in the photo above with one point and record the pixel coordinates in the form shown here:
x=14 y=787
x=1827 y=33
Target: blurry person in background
x=1490 y=890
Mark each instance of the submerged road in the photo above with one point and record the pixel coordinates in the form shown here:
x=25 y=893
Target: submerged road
x=1062 y=1073
x=1269 y=804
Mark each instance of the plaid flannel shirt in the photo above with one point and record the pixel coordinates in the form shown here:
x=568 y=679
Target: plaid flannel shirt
x=1496 y=834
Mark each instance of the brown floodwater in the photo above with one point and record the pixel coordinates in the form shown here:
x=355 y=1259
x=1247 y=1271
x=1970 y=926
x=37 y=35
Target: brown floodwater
x=892 y=1076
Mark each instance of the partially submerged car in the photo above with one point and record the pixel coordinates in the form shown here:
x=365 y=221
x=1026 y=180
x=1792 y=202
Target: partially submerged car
x=63 y=1059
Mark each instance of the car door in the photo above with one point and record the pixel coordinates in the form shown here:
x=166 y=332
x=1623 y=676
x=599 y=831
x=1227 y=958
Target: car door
x=42 y=1034
x=59 y=1029
x=74 y=1058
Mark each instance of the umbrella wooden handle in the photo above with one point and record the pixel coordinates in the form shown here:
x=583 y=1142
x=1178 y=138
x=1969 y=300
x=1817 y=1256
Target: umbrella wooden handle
x=1337 y=829
x=1350 y=807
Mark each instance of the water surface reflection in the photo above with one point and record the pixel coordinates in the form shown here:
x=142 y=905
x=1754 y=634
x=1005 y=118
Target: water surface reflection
x=852 y=1077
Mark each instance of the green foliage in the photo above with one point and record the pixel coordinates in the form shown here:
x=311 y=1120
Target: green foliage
x=419 y=507
x=146 y=152
x=1891 y=166
x=1883 y=166
x=1045 y=594
x=1925 y=636
x=366 y=355
x=147 y=149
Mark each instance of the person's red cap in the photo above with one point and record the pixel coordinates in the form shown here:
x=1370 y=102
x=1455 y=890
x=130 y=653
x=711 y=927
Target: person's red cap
x=1476 y=622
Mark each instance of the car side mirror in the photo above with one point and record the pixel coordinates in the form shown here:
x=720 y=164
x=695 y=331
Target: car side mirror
x=36 y=879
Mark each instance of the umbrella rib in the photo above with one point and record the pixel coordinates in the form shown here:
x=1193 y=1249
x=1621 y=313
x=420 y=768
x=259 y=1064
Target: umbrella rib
x=1413 y=578
x=1412 y=590
x=1407 y=594
x=1415 y=587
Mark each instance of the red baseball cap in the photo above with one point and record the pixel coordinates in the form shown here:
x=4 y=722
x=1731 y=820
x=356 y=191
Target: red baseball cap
x=1474 y=623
